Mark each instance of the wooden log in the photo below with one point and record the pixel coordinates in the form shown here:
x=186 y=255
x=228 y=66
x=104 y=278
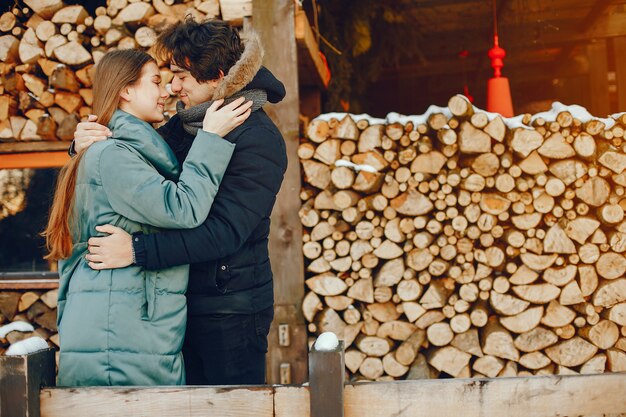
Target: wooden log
x=372 y=368
x=346 y=129
x=572 y=352
x=533 y=164
x=145 y=37
x=617 y=314
x=468 y=342
x=535 y=340
x=449 y=360
x=497 y=341
x=44 y=8
x=594 y=191
x=70 y=14
x=440 y=334
x=311 y=304
x=326 y=284
x=489 y=366
x=614 y=161
x=329 y=321
x=411 y=310
x=29 y=52
x=72 y=53
x=412 y=203
x=316 y=174
x=595 y=365
x=353 y=359
x=362 y=290
x=134 y=13
x=396 y=330
x=524 y=321
x=428 y=163
x=27 y=300
x=604 y=334
x=556 y=147
x=338 y=302
x=506 y=304
x=472 y=140
x=525 y=141
x=384 y=312
x=537 y=293
x=581 y=228
x=407 y=351
x=611 y=265
x=390 y=273
x=496 y=129
x=534 y=360
x=569 y=170
x=616 y=360
x=373 y=346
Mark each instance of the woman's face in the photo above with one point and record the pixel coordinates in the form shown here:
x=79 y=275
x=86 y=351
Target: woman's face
x=146 y=98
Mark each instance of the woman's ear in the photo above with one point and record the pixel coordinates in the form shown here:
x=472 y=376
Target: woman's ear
x=126 y=93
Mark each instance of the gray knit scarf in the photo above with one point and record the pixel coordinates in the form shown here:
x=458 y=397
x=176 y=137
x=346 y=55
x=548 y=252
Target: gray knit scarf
x=193 y=116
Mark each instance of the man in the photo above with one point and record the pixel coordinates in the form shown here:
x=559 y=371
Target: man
x=230 y=294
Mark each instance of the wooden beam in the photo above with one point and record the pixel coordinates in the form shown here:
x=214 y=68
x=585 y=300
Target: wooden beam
x=327 y=370
x=274 y=21
x=311 y=68
x=44 y=146
x=583 y=395
x=619 y=47
x=598 y=79
x=33 y=160
x=21 y=377
x=237 y=401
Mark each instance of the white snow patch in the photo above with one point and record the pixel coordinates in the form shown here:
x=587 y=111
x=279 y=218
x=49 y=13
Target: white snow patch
x=20 y=326
x=26 y=346
x=355 y=117
x=326 y=342
x=357 y=168
x=578 y=112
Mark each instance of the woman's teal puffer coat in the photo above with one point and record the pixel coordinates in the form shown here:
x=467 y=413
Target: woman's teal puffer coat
x=126 y=326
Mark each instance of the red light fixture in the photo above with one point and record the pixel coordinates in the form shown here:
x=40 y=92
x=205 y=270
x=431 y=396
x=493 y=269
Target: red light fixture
x=498 y=88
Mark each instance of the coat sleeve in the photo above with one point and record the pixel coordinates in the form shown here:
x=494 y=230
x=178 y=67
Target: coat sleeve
x=245 y=199
x=137 y=191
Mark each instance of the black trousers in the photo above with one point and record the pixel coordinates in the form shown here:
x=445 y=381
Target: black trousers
x=227 y=349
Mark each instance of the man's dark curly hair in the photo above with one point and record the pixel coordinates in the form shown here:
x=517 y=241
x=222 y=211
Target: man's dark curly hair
x=202 y=48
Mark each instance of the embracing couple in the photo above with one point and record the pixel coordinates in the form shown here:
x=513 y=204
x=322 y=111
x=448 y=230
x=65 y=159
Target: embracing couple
x=162 y=235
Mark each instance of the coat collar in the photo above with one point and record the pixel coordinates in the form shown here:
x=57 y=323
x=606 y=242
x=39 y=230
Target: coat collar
x=144 y=139
x=244 y=70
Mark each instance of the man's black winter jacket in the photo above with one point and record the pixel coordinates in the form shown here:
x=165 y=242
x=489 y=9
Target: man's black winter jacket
x=230 y=267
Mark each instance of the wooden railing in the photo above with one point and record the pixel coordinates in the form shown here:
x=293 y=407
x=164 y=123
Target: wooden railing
x=26 y=389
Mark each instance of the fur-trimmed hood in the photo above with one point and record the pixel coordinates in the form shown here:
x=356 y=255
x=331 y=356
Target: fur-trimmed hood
x=248 y=73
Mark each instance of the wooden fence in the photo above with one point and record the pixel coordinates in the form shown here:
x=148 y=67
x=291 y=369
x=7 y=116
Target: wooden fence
x=26 y=389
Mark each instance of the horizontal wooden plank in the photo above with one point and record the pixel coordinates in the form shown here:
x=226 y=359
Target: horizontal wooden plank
x=33 y=160
x=43 y=146
x=290 y=401
x=159 y=401
x=584 y=395
x=33 y=284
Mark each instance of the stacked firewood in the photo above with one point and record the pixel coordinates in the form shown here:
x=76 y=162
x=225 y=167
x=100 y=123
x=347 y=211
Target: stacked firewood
x=462 y=244
x=26 y=314
x=48 y=51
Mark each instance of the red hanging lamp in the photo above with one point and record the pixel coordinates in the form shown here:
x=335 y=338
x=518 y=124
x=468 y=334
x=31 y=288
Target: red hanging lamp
x=498 y=88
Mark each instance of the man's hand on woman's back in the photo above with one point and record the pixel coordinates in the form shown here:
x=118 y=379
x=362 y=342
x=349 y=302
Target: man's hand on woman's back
x=89 y=132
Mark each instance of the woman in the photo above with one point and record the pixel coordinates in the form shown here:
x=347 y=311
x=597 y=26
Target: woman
x=126 y=326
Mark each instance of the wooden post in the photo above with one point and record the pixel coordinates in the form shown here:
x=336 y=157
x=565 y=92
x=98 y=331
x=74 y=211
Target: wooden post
x=598 y=81
x=326 y=378
x=274 y=22
x=21 y=378
x=619 y=45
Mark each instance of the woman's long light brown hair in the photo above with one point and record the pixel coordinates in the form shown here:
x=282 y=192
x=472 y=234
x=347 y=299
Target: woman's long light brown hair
x=115 y=71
